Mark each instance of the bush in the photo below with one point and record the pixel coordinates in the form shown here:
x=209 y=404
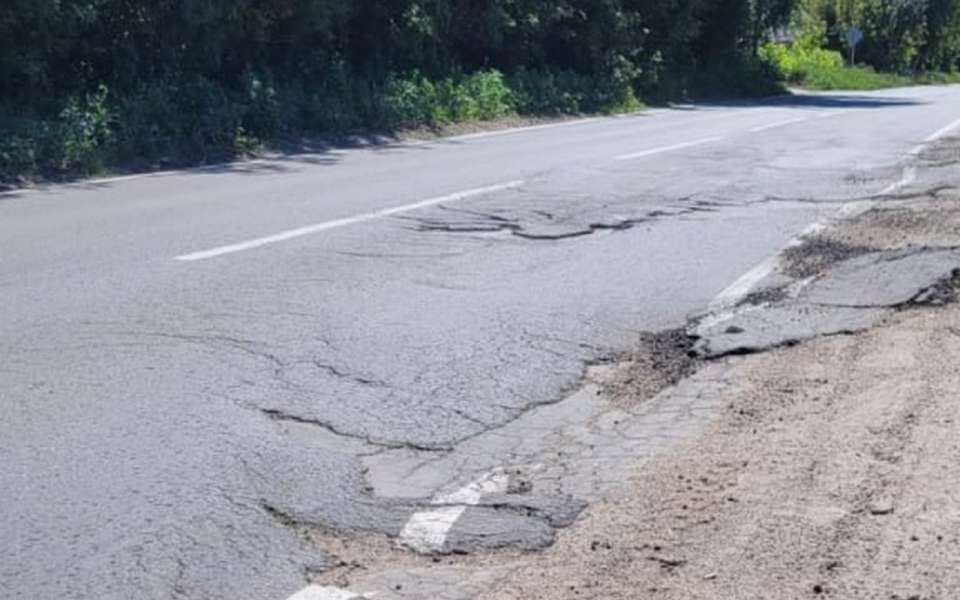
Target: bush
x=410 y=101
x=85 y=132
x=490 y=96
x=173 y=122
x=79 y=140
x=557 y=92
x=737 y=75
x=414 y=100
x=549 y=92
x=799 y=63
x=820 y=69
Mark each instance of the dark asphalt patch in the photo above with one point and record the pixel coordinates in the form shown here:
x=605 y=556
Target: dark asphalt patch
x=816 y=255
x=661 y=359
x=944 y=291
x=771 y=295
x=487 y=528
x=544 y=225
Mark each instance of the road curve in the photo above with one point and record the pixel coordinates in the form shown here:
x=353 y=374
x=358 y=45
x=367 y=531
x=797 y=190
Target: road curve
x=187 y=357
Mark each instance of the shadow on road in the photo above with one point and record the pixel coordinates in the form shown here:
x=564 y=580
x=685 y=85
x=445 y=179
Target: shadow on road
x=819 y=100
x=320 y=152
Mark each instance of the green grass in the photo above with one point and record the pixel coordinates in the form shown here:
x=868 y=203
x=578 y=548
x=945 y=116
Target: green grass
x=819 y=69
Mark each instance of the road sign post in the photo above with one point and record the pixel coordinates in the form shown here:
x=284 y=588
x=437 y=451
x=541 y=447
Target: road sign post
x=854 y=36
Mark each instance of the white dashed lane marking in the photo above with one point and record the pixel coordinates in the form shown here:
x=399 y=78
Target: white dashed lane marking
x=427 y=530
x=334 y=224
x=319 y=592
x=671 y=148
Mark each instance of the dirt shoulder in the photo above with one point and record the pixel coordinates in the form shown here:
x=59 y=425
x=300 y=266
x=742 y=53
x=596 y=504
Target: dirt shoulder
x=830 y=472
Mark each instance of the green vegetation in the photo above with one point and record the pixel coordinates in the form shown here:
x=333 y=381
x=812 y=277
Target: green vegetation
x=820 y=69
x=86 y=84
x=89 y=84
x=905 y=43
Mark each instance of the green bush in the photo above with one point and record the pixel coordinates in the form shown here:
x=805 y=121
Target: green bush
x=490 y=95
x=79 y=140
x=550 y=92
x=410 y=101
x=820 y=69
x=86 y=132
x=798 y=64
x=173 y=122
x=414 y=100
x=559 y=92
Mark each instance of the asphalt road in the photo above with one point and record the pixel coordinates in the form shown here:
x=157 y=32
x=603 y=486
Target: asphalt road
x=190 y=358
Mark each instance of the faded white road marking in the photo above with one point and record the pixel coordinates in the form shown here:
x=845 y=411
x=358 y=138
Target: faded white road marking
x=942 y=132
x=910 y=173
x=327 y=225
x=513 y=130
x=427 y=530
x=740 y=288
x=736 y=292
x=318 y=592
x=779 y=124
x=670 y=148
x=908 y=177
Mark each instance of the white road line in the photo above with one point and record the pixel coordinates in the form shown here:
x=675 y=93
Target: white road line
x=910 y=173
x=740 y=288
x=908 y=177
x=318 y=592
x=512 y=130
x=732 y=295
x=427 y=530
x=327 y=225
x=670 y=148
x=779 y=124
x=942 y=132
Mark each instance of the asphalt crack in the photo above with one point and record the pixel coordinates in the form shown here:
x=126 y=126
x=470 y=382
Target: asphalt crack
x=549 y=226
x=343 y=374
x=280 y=415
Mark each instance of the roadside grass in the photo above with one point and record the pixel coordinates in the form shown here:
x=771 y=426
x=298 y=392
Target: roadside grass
x=865 y=78
x=820 y=69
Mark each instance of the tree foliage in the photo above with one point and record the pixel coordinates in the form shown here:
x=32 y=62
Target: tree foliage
x=84 y=81
x=900 y=35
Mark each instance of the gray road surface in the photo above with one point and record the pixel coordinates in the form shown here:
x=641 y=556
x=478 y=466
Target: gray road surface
x=182 y=361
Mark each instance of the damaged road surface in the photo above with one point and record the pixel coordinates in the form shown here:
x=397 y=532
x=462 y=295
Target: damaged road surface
x=323 y=376
x=829 y=466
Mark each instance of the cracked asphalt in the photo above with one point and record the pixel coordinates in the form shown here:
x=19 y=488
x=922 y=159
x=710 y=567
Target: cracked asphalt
x=170 y=426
